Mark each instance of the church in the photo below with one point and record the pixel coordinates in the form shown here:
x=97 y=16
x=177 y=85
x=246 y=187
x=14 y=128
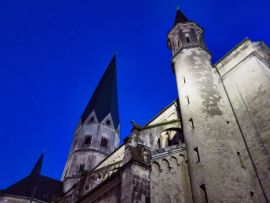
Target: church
x=211 y=144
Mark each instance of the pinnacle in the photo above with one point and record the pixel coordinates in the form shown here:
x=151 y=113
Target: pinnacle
x=37 y=168
x=180 y=17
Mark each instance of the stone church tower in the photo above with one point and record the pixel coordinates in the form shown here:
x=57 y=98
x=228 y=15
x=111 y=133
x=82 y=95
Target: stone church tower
x=97 y=134
x=211 y=144
x=218 y=157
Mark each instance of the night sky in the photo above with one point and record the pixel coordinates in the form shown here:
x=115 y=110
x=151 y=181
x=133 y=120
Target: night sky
x=53 y=54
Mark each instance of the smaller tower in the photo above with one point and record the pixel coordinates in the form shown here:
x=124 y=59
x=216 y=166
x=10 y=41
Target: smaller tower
x=215 y=147
x=97 y=134
x=185 y=34
x=33 y=188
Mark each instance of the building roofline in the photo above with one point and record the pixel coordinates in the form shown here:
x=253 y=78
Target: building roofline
x=162 y=111
x=228 y=53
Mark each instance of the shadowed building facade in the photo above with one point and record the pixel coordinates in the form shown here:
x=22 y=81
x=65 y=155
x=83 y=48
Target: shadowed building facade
x=209 y=145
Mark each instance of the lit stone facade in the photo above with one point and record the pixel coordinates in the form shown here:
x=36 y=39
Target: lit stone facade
x=212 y=144
x=214 y=141
x=245 y=75
x=84 y=155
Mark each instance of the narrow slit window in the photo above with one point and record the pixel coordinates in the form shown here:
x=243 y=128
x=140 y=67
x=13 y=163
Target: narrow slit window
x=204 y=191
x=158 y=143
x=184 y=80
x=192 y=124
x=251 y=193
x=81 y=168
x=188 y=39
x=197 y=152
x=187 y=99
x=240 y=160
x=87 y=140
x=104 y=142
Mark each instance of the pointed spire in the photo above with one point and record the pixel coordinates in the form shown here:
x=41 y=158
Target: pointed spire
x=180 y=17
x=37 y=168
x=105 y=98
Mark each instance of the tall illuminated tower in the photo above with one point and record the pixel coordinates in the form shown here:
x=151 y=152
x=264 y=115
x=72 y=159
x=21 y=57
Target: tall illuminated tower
x=97 y=134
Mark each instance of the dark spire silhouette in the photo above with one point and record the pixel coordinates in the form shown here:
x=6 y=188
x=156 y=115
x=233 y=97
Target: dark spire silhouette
x=35 y=185
x=105 y=99
x=180 y=17
x=37 y=168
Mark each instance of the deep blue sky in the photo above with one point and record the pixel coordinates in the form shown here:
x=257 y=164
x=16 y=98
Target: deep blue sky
x=53 y=53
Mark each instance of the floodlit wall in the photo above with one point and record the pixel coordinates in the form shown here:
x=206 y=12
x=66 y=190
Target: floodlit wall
x=246 y=76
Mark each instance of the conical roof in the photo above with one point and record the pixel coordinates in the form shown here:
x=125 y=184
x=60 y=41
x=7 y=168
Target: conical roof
x=37 y=168
x=180 y=17
x=105 y=98
x=35 y=186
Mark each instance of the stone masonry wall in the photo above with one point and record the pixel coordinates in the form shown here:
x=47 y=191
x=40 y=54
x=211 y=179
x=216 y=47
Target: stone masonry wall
x=110 y=192
x=135 y=184
x=248 y=83
x=91 y=154
x=169 y=179
x=214 y=144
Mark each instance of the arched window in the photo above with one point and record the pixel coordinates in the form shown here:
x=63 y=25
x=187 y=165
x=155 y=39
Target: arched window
x=81 y=168
x=104 y=142
x=169 y=137
x=87 y=140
